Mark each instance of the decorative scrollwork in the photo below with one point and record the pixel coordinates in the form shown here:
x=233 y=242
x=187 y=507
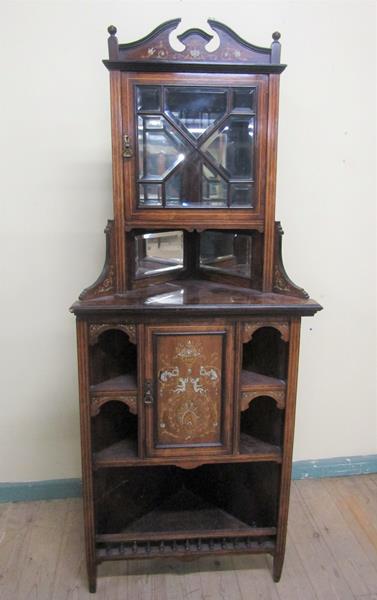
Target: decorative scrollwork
x=188 y=351
x=98 y=402
x=247 y=397
x=167 y=374
x=189 y=394
x=107 y=284
x=95 y=330
x=280 y=283
x=250 y=328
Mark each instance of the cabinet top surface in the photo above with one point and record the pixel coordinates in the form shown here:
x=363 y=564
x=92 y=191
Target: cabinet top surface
x=196 y=296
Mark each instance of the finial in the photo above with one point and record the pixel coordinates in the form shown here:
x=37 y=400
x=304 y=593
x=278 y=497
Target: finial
x=276 y=36
x=112 y=30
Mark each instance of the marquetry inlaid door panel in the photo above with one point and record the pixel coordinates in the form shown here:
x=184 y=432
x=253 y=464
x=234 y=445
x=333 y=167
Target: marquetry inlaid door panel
x=187 y=390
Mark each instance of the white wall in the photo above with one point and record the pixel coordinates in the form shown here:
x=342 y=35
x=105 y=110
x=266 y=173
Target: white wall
x=56 y=197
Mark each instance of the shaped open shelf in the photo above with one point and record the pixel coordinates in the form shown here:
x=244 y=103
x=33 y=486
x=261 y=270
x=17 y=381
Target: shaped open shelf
x=124 y=453
x=173 y=510
x=251 y=380
x=115 y=385
x=113 y=367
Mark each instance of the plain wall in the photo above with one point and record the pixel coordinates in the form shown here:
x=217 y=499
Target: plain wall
x=56 y=197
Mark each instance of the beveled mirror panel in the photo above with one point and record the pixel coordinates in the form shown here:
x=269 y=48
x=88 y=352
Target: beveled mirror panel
x=195 y=109
x=226 y=252
x=158 y=252
x=231 y=147
x=161 y=148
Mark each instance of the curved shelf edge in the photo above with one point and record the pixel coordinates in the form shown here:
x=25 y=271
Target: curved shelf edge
x=97 y=402
x=249 y=329
x=119 y=389
x=96 y=329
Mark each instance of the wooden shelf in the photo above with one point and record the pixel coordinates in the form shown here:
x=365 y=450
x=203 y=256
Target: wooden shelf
x=116 y=385
x=124 y=453
x=121 y=453
x=254 y=384
x=251 y=380
x=185 y=515
x=256 y=449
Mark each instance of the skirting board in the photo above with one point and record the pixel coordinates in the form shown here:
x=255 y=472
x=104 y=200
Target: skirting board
x=53 y=489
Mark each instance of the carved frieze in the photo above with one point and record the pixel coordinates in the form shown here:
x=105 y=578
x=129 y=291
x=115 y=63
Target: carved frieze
x=96 y=403
x=247 y=397
x=250 y=328
x=95 y=330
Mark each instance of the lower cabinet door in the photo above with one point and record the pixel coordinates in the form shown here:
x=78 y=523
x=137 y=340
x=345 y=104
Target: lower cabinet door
x=188 y=395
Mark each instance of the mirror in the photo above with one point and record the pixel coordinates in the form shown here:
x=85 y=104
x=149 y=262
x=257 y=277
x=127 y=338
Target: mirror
x=195 y=109
x=231 y=146
x=158 y=252
x=226 y=252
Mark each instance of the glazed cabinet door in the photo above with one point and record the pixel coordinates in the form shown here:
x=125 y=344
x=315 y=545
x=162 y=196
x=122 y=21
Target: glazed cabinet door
x=192 y=150
x=188 y=389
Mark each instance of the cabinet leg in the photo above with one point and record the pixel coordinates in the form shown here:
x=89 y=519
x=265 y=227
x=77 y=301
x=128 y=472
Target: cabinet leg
x=92 y=578
x=277 y=567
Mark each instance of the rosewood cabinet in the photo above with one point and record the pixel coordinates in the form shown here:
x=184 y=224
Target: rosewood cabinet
x=188 y=342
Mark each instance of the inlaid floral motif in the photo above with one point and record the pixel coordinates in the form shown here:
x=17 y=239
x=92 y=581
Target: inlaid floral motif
x=188 y=351
x=189 y=390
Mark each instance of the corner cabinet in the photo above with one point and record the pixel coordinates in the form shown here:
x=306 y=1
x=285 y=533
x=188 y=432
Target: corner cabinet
x=188 y=342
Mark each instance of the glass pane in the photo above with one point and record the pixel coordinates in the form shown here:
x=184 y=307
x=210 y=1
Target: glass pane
x=148 y=98
x=182 y=188
x=244 y=99
x=195 y=108
x=158 y=252
x=214 y=189
x=227 y=252
x=160 y=147
x=150 y=194
x=231 y=146
x=241 y=194
x=195 y=185
x=173 y=188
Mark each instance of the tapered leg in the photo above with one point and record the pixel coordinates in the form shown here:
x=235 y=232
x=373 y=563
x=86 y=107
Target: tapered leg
x=92 y=578
x=277 y=566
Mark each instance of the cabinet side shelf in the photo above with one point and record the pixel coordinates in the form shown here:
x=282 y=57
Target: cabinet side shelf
x=184 y=535
x=115 y=385
x=251 y=380
x=124 y=453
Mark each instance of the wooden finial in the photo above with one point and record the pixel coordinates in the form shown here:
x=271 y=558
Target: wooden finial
x=112 y=43
x=275 y=48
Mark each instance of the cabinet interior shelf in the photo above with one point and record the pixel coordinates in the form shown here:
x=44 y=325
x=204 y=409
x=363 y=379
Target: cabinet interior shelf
x=251 y=381
x=116 y=385
x=124 y=453
x=128 y=383
x=186 y=516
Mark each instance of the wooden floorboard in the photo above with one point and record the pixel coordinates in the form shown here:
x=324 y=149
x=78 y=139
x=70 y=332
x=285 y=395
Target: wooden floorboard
x=331 y=554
